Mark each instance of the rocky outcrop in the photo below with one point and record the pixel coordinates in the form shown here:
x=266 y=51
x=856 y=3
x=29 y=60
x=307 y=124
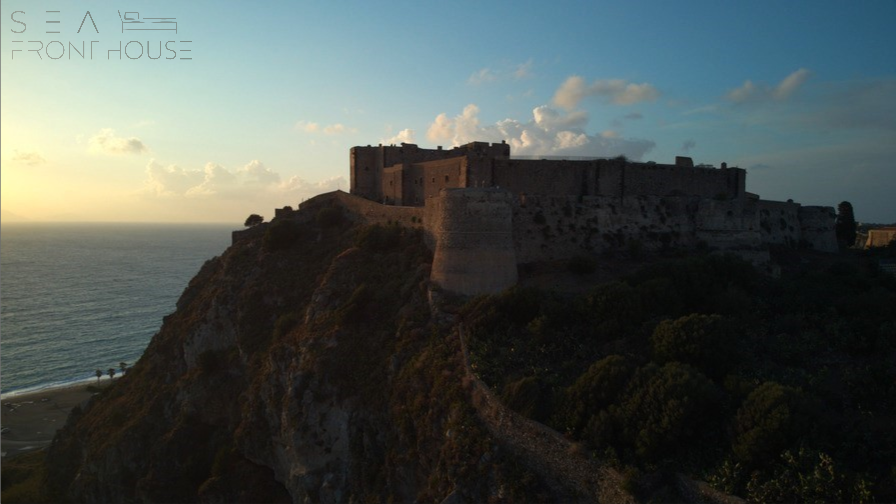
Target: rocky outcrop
x=310 y=373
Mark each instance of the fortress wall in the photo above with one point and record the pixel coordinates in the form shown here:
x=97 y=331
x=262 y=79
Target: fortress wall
x=538 y=176
x=472 y=231
x=362 y=210
x=667 y=180
x=393 y=188
x=438 y=175
x=547 y=228
x=817 y=228
x=779 y=222
x=479 y=172
x=609 y=180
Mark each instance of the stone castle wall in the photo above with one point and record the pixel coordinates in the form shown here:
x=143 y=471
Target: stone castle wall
x=817 y=228
x=472 y=232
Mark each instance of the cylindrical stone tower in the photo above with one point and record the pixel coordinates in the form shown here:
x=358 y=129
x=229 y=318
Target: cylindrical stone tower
x=474 y=253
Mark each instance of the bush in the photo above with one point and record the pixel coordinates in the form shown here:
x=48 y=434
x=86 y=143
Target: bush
x=666 y=408
x=597 y=389
x=703 y=341
x=282 y=234
x=329 y=217
x=766 y=423
x=379 y=238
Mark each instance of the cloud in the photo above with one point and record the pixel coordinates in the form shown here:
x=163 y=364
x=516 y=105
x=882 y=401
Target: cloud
x=615 y=91
x=688 y=145
x=523 y=70
x=27 y=158
x=482 y=76
x=105 y=142
x=307 y=126
x=749 y=91
x=634 y=116
x=172 y=180
x=257 y=173
x=330 y=129
x=334 y=129
x=253 y=181
x=488 y=75
x=548 y=132
x=403 y=136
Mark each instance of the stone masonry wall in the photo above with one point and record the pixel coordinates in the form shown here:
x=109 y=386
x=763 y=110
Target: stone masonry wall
x=474 y=249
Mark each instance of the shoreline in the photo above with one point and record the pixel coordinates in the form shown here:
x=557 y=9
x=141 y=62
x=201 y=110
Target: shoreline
x=33 y=417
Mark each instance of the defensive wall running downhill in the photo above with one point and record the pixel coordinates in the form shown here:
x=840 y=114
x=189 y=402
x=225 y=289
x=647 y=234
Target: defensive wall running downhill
x=483 y=213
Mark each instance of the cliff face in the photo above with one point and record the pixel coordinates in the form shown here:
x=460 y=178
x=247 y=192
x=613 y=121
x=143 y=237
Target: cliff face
x=302 y=365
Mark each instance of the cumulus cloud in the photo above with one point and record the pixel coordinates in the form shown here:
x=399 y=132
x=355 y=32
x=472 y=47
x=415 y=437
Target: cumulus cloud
x=403 y=136
x=27 y=158
x=749 y=91
x=615 y=91
x=330 y=129
x=105 y=142
x=253 y=181
x=548 y=132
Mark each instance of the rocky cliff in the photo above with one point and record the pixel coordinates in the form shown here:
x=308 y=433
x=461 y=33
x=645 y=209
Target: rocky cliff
x=303 y=365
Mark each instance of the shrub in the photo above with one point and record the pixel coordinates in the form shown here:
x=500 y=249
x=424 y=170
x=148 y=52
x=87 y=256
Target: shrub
x=329 y=217
x=666 y=408
x=595 y=390
x=282 y=234
x=766 y=423
x=703 y=341
x=379 y=238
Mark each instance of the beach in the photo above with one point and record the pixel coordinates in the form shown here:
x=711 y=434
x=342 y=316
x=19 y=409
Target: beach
x=33 y=418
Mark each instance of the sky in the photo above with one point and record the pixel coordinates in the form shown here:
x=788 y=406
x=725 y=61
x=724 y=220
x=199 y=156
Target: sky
x=250 y=106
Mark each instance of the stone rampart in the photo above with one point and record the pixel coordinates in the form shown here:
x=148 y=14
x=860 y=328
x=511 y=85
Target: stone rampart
x=817 y=228
x=779 y=222
x=368 y=212
x=472 y=232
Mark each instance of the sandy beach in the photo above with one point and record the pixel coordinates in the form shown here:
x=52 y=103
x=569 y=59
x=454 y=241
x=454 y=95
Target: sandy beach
x=34 y=418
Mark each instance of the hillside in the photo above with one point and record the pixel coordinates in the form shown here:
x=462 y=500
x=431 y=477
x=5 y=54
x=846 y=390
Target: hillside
x=314 y=361
x=304 y=364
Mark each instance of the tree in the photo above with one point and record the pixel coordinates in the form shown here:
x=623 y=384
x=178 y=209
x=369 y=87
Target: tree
x=253 y=220
x=123 y=366
x=111 y=373
x=99 y=374
x=846 y=225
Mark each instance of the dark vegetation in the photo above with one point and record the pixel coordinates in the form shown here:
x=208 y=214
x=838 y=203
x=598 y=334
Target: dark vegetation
x=846 y=225
x=773 y=389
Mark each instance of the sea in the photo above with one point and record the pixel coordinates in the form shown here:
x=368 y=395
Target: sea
x=75 y=298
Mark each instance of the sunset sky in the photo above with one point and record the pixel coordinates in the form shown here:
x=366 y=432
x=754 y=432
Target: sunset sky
x=801 y=94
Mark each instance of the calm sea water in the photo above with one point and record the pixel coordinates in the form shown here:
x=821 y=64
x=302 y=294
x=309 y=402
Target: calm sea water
x=79 y=297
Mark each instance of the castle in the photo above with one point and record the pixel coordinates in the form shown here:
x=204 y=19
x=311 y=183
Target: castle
x=484 y=213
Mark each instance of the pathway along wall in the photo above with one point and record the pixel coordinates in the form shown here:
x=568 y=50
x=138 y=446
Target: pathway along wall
x=473 y=234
